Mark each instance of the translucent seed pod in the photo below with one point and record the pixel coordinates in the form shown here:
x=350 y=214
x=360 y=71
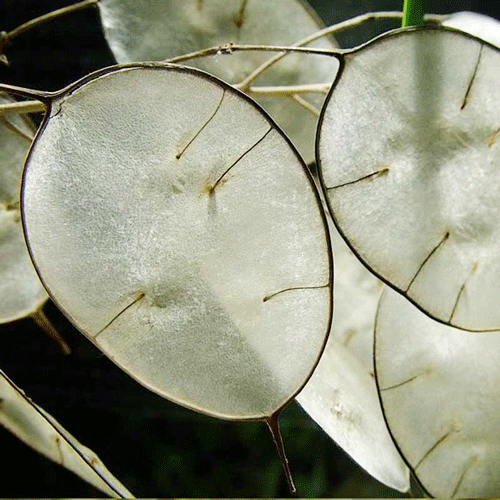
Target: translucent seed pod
x=440 y=393
x=174 y=224
x=408 y=151
x=144 y=30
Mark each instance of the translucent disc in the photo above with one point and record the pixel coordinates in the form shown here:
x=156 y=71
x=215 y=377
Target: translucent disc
x=21 y=292
x=176 y=226
x=145 y=30
x=440 y=391
x=484 y=27
x=341 y=395
x=342 y=398
x=408 y=151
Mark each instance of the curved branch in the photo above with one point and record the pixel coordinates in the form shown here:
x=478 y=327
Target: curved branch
x=330 y=30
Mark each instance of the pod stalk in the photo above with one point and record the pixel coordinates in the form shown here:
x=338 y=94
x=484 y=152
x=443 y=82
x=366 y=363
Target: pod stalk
x=273 y=424
x=49 y=329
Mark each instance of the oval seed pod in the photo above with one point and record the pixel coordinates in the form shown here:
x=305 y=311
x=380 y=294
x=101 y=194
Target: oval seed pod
x=39 y=430
x=341 y=395
x=408 y=150
x=21 y=293
x=440 y=392
x=172 y=221
x=141 y=30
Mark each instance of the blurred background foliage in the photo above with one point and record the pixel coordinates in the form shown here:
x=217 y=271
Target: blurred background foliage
x=156 y=448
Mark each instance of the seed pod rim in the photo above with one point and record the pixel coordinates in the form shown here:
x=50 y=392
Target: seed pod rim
x=342 y=61
x=49 y=97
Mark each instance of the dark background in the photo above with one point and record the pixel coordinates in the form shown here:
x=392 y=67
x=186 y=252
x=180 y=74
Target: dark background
x=156 y=448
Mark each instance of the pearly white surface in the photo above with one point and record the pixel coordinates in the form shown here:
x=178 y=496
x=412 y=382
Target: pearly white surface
x=357 y=292
x=440 y=389
x=176 y=283
x=32 y=425
x=13 y=150
x=485 y=27
x=21 y=292
x=341 y=395
x=148 y=30
x=421 y=108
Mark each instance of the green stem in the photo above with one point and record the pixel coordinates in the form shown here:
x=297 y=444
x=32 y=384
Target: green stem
x=413 y=12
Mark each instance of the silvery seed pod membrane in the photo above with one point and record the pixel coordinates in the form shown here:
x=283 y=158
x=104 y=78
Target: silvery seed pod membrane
x=341 y=395
x=174 y=224
x=484 y=27
x=408 y=153
x=146 y=30
x=21 y=293
x=440 y=393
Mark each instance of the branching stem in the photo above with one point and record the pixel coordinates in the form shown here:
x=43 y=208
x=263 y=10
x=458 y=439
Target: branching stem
x=246 y=84
x=229 y=48
x=25 y=107
x=23 y=28
x=289 y=90
x=16 y=129
x=330 y=30
x=306 y=105
x=22 y=108
x=292 y=92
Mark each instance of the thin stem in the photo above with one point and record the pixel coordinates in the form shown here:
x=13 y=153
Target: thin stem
x=25 y=107
x=413 y=12
x=16 y=129
x=245 y=84
x=290 y=90
x=22 y=108
x=23 y=28
x=39 y=95
x=350 y=23
x=229 y=48
x=44 y=323
x=306 y=104
x=273 y=425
